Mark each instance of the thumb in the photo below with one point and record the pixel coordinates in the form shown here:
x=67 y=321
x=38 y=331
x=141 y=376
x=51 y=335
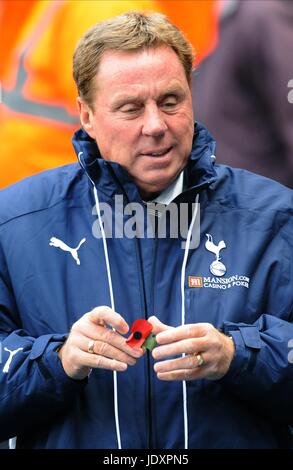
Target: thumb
x=158 y=326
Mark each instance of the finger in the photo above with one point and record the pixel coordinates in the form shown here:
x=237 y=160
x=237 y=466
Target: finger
x=194 y=330
x=109 y=351
x=107 y=315
x=187 y=362
x=114 y=339
x=106 y=335
x=158 y=326
x=182 y=374
x=186 y=346
x=95 y=361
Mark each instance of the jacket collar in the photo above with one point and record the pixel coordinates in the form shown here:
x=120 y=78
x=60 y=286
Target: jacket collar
x=111 y=178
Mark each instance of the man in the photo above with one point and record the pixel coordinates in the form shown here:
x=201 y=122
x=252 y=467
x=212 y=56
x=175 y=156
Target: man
x=220 y=376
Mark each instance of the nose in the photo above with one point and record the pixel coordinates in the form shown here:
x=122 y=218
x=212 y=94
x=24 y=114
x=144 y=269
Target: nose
x=154 y=124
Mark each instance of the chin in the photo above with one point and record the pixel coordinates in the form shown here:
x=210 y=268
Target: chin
x=165 y=181
x=156 y=183
x=149 y=192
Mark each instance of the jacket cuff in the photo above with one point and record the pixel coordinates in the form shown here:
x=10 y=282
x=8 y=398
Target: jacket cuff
x=247 y=342
x=240 y=359
x=44 y=351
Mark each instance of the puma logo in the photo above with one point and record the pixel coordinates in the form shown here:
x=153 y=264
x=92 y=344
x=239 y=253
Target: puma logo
x=9 y=360
x=73 y=251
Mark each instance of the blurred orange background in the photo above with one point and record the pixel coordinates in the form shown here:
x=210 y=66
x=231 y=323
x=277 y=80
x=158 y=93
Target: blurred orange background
x=38 y=37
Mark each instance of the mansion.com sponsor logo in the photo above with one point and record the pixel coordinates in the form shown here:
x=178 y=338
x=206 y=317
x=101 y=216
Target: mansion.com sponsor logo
x=222 y=283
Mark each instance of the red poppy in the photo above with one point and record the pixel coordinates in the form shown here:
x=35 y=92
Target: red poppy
x=140 y=330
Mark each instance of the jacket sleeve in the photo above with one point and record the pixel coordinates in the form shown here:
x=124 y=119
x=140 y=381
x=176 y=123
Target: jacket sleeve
x=33 y=385
x=261 y=371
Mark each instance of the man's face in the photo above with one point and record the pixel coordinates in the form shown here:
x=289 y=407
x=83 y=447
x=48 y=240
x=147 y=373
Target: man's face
x=142 y=115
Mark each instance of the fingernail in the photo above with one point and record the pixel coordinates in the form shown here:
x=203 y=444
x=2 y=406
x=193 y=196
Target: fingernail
x=159 y=336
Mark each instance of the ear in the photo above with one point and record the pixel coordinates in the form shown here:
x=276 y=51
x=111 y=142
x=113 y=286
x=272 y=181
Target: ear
x=86 y=116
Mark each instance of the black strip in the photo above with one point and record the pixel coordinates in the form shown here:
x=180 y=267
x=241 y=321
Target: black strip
x=143 y=303
x=148 y=404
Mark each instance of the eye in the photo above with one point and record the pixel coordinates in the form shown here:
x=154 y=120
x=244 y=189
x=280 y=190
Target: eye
x=170 y=102
x=130 y=108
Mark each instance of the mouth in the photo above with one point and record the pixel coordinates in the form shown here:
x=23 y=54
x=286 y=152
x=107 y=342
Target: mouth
x=157 y=153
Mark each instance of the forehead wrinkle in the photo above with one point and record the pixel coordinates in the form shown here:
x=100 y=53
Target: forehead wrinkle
x=142 y=69
x=125 y=96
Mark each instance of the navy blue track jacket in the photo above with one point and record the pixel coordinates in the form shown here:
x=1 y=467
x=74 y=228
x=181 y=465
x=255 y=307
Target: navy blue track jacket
x=245 y=289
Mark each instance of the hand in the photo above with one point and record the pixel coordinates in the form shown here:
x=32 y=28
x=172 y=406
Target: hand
x=216 y=349
x=110 y=350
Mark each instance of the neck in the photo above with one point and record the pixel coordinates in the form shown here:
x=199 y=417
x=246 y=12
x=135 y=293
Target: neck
x=148 y=196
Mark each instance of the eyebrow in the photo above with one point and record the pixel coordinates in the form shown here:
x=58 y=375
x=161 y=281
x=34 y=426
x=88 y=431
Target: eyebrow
x=123 y=98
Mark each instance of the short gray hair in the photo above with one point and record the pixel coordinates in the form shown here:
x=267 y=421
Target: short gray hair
x=131 y=31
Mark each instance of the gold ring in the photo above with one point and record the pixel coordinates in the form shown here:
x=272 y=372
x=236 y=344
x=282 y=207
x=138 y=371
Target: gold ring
x=91 y=346
x=200 y=360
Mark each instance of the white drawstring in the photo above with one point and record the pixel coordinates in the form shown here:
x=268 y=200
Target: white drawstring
x=116 y=411
x=183 y=269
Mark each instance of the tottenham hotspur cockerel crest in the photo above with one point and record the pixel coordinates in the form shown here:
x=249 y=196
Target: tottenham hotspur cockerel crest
x=217 y=268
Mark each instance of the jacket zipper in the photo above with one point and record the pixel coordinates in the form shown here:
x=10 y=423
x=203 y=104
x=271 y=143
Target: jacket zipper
x=150 y=444
x=152 y=305
x=143 y=304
